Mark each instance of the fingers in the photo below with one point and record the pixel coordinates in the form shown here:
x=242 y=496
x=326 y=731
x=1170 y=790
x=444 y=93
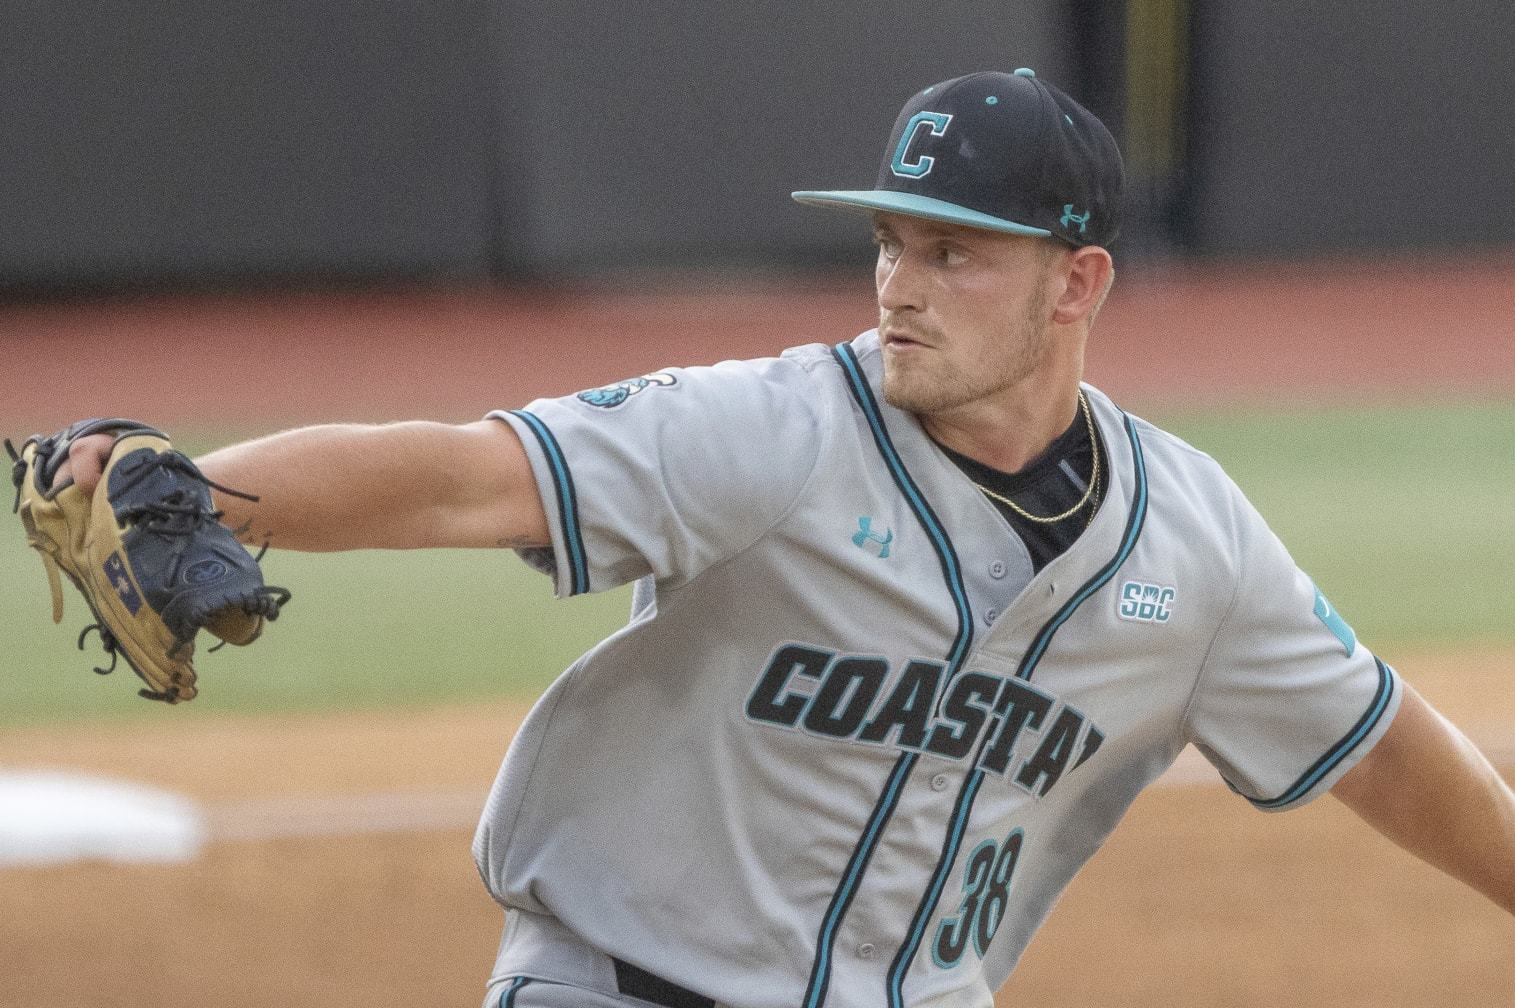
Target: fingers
x=86 y=461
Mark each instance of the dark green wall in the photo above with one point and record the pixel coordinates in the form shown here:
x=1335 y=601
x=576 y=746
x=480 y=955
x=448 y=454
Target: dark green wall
x=1323 y=127
x=187 y=142
x=175 y=141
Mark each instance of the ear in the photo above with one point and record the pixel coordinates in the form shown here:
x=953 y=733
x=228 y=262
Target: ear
x=1088 y=270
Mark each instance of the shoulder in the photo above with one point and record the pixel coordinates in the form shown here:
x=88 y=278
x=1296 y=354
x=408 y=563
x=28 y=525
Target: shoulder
x=1193 y=493
x=793 y=374
x=796 y=373
x=1173 y=454
x=737 y=391
x=1183 y=471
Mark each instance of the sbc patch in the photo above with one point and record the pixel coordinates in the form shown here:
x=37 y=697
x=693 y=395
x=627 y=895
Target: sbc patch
x=1146 y=603
x=615 y=394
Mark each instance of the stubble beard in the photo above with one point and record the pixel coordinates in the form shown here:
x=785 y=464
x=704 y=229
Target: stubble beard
x=942 y=383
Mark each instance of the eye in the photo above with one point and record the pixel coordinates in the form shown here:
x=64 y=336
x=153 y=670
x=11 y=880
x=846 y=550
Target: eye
x=951 y=255
x=887 y=244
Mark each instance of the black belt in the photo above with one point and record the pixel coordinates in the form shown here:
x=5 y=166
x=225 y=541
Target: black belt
x=641 y=984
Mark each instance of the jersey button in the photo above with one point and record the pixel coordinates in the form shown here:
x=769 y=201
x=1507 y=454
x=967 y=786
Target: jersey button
x=997 y=569
x=865 y=950
x=990 y=615
x=939 y=782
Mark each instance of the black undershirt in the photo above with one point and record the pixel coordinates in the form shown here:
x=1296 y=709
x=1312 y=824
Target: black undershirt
x=1045 y=488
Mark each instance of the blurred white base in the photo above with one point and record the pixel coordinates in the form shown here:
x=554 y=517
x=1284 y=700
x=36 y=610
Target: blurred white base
x=50 y=817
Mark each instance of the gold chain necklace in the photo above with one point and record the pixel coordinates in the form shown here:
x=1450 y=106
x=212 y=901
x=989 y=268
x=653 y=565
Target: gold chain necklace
x=1083 y=403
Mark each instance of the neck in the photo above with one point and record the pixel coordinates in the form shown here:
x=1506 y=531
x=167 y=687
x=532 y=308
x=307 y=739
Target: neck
x=1012 y=428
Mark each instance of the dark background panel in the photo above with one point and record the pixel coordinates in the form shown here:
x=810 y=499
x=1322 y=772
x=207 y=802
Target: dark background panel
x=169 y=143
x=1323 y=127
x=670 y=134
x=176 y=139
x=178 y=142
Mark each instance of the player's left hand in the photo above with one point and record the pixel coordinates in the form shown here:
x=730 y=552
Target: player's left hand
x=85 y=461
x=111 y=504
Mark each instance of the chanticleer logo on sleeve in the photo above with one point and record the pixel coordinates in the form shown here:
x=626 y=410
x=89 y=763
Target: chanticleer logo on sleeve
x=616 y=393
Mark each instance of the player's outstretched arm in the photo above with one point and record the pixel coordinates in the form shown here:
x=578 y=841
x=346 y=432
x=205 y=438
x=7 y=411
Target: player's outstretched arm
x=1427 y=788
x=347 y=486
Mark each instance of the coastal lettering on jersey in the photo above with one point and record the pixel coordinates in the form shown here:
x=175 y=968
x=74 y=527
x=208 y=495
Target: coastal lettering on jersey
x=1031 y=737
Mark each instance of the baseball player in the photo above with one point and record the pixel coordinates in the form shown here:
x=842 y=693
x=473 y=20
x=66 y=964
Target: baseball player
x=916 y=616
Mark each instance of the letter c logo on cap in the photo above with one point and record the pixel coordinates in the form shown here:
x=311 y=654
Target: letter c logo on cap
x=937 y=122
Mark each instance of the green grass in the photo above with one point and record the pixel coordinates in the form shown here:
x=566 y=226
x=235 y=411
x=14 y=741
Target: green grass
x=364 y=629
x=1403 y=517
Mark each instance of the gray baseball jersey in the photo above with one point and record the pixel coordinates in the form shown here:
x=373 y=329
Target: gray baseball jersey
x=848 y=750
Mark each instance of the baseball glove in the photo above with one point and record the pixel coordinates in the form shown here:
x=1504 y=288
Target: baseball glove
x=148 y=552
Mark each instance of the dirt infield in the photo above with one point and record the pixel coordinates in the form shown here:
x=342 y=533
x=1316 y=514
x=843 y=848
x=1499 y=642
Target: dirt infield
x=1197 y=901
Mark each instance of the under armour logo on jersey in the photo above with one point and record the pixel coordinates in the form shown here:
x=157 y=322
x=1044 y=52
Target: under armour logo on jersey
x=865 y=534
x=612 y=395
x=1146 y=603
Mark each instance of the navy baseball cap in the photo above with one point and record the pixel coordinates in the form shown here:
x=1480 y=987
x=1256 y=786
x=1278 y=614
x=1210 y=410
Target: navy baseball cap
x=1006 y=152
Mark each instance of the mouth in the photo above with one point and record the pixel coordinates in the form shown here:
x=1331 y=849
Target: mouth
x=895 y=339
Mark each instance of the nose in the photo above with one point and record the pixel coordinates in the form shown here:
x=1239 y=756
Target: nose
x=900 y=284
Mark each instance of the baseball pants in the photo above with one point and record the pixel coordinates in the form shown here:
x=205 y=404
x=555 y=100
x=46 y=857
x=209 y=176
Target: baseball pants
x=541 y=964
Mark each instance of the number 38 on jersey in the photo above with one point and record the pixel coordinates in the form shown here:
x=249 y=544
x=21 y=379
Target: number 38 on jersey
x=986 y=893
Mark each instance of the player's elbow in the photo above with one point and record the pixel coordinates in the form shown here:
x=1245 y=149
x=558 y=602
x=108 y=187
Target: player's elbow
x=493 y=499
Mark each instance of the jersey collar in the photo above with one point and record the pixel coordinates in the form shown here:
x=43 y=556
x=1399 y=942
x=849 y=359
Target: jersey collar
x=1107 y=540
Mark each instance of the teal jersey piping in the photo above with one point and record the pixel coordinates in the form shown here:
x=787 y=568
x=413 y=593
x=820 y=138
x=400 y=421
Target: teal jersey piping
x=1344 y=747
x=966 y=797
x=508 y=995
x=568 y=502
x=888 y=800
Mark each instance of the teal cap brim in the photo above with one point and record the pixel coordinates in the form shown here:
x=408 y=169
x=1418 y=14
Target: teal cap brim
x=912 y=205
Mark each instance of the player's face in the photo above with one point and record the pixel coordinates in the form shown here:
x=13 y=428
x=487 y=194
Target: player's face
x=963 y=312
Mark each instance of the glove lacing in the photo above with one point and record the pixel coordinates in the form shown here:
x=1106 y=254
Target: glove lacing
x=177 y=517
